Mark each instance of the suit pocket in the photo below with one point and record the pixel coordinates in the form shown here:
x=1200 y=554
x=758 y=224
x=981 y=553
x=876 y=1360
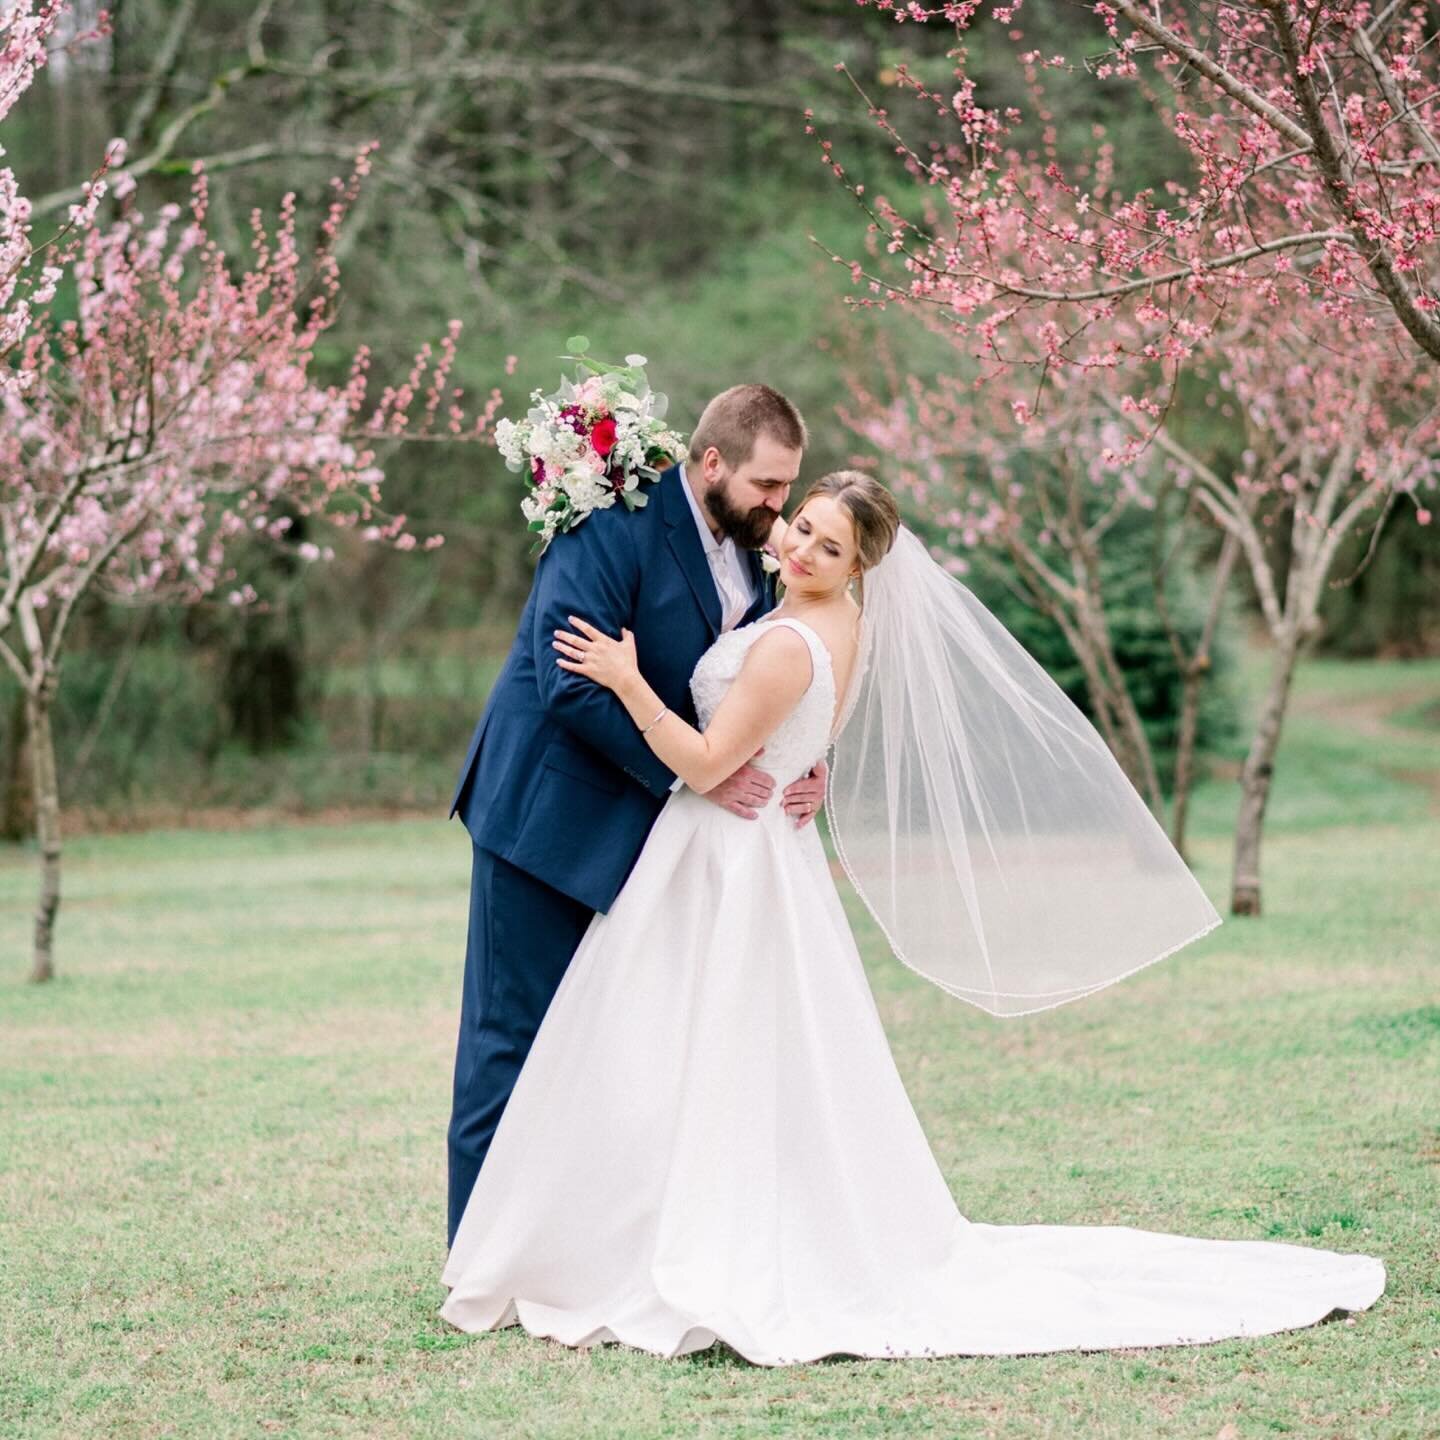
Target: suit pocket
x=579 y=766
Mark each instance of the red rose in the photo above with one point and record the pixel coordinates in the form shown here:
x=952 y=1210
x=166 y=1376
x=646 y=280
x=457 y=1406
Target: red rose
x=602 y=437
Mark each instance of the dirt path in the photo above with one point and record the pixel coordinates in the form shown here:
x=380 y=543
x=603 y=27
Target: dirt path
x=1372 y=717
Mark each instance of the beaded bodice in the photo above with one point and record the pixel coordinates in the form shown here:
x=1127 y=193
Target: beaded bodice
x=804 y=734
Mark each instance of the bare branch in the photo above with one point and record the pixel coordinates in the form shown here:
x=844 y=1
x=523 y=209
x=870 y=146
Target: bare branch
x=1418 y=132
x=162 y=68
x=423 y=121
x=20 y=573
x=12 y=661
x=1220 y=501
x=1397 y=290
x=1252 y=100
x=1184 y=272
x=165 y=145
x=81 y=585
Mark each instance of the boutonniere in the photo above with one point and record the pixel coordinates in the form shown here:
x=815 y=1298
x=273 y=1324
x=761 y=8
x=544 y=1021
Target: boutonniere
x=770 y=561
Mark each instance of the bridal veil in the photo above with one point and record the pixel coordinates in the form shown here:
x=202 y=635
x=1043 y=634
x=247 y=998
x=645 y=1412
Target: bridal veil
x=980 y=816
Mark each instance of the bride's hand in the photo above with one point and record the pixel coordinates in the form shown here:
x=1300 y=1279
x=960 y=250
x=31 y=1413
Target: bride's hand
x=593 y=654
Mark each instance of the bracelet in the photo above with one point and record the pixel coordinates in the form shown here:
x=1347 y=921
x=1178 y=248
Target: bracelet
x=664 y=711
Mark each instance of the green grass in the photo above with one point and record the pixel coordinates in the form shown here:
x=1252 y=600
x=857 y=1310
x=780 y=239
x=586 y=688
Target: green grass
x=1361 y=743
x=222 y=1140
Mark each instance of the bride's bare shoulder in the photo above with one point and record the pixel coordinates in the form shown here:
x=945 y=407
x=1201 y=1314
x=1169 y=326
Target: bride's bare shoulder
x=839 y=628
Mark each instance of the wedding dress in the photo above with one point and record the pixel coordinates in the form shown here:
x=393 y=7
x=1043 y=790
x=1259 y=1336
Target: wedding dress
x=710 y=1141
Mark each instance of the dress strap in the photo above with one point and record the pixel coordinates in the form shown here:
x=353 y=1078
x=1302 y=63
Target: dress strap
x=818 y=649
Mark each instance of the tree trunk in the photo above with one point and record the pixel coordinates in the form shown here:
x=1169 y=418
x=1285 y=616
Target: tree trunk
x=1112 y=707
x=1196 y=673
x=1102 y=701
x=47 y=829
x=1255 y=778
x=16 y=820
x=1144 y=776
x=1136 y=757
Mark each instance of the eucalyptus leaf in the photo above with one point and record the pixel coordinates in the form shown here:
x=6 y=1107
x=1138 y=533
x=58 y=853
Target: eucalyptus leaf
x=578 y=344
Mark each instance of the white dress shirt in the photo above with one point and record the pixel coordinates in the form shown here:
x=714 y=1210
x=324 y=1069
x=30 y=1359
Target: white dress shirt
x=728 y=566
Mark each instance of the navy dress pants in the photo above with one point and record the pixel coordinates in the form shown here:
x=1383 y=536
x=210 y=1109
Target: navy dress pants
x=522 y=935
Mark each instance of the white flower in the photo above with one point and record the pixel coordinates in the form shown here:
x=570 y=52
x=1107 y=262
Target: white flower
x=507 y=441
x=769 y=562
x=557 y=449
x=584 y=489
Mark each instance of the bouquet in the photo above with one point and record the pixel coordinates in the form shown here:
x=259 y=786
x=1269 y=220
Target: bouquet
x=591 y=443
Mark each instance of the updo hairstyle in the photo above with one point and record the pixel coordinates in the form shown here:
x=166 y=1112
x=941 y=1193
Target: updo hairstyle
x=872 y=511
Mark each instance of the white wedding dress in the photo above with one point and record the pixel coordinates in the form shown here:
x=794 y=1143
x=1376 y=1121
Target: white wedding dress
x=710 y=1141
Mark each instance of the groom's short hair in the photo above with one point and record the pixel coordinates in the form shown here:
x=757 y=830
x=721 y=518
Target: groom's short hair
x=736 y=418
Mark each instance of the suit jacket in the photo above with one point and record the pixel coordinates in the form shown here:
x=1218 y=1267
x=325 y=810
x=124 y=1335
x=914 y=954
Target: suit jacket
x=557 y=780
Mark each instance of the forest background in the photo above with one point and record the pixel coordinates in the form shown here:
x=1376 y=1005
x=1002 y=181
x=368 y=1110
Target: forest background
x=640 y=172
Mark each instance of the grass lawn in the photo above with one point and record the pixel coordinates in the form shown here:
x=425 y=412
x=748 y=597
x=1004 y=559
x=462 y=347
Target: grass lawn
x=222 y=1138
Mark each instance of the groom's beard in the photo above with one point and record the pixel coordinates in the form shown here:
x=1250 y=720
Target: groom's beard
x=749 y=529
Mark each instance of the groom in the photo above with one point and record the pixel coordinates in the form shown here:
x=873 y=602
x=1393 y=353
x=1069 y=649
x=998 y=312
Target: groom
x=558 y=790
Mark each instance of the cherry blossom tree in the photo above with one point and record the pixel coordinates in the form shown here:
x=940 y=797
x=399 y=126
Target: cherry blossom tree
x=170 y=413
x=1301 y=231
x=1312 y=136
x=1033 y=504
x=1336 y=437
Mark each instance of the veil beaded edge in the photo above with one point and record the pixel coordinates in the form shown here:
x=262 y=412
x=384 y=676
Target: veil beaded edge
x=980 y=816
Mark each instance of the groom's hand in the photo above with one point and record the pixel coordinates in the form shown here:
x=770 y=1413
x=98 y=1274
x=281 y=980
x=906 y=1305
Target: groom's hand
x=746 y=792
x=803 y=799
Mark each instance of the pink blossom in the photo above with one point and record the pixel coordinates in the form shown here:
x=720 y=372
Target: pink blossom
x=178 y=408
x=1030 y=257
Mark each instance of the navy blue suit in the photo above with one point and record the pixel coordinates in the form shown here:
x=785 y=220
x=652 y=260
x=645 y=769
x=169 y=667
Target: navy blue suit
x=558 y=791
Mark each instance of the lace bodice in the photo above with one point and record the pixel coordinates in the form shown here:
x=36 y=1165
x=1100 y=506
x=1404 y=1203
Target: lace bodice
x=804 y=734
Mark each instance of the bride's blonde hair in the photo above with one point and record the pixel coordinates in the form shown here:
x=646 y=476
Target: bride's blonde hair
x=872 y=510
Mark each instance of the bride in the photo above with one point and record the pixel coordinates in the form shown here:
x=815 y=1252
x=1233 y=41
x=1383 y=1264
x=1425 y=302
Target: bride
x=709 y=1140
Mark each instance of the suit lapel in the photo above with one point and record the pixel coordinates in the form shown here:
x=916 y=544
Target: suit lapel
x=684 y=540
